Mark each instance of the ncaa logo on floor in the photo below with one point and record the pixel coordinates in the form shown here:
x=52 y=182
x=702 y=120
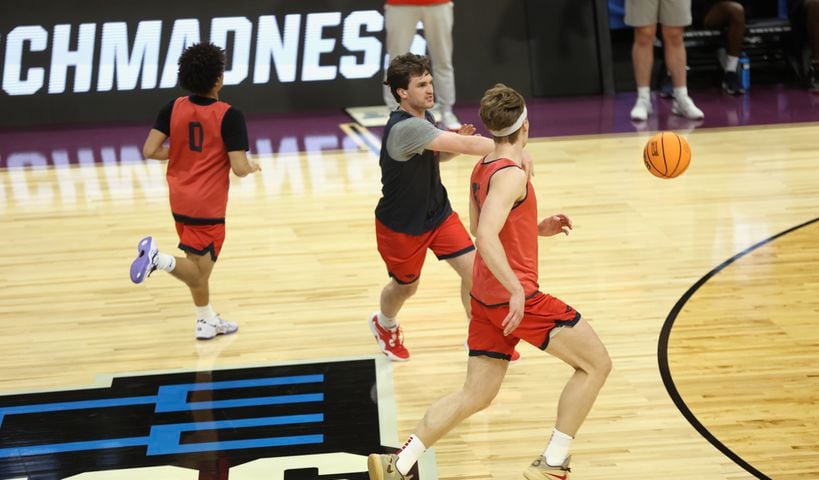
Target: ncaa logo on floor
x=292 y=422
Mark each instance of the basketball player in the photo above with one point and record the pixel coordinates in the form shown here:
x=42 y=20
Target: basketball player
x=507 y=305
x=208 y=139
x=414 y=213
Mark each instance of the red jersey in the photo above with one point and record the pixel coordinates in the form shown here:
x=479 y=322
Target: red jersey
x=416 y=2
x=199 y=168
x=518 y=236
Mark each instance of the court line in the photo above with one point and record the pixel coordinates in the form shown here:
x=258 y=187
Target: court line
x=362 y=137
x=662 y=353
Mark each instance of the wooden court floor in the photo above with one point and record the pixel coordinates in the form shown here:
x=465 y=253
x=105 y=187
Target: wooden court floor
x=300 y=273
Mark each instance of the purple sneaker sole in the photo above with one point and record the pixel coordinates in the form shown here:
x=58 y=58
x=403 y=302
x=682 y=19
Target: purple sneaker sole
x=141 y=265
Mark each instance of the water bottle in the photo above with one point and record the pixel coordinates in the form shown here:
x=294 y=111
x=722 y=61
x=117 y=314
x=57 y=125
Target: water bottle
x=745 y=71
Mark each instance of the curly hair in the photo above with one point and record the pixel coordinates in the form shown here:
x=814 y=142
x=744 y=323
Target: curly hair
x=402 y=68
x=200 y=67
x=500 y=107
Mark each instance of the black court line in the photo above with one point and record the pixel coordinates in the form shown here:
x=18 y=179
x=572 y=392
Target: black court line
x=662 y=354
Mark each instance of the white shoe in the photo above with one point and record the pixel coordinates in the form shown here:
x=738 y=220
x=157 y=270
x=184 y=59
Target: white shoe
x=642 y=109
x=449 y=120
x=206 y=330
x=685 y=107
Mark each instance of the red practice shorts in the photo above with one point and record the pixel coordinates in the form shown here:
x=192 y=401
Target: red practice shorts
x=404 y=254
x=201 y=239
x=541 y=314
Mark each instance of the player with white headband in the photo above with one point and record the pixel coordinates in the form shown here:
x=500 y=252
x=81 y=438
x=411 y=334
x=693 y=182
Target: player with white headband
x=508 y=306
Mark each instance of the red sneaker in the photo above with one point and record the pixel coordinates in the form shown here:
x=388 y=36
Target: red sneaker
x=391 y=342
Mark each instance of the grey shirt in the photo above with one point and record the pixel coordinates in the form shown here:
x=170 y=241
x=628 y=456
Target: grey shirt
x=410 y=137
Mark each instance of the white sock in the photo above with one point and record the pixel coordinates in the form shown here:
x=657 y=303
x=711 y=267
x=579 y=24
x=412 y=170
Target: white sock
x=558 y=448
x=387 y=322
x=644 y=93
x=680 y=92
x=412 y=449
x=731 y=63
x=206 y=313
x=165 y=262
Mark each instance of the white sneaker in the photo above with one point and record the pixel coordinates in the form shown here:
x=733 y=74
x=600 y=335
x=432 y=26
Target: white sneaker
x=449 y=120
x=685 y=107
x=642 y=109
x=206 y=330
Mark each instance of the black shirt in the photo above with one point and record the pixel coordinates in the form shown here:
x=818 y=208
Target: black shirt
x=414 y=201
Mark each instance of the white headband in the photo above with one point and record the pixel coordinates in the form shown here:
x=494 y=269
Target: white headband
x=511 y=128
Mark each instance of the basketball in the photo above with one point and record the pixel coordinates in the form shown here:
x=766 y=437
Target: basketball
x=667 y=155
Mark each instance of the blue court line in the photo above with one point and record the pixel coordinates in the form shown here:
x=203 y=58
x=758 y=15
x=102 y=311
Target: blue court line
x=72 y=447
x=173 y=398
x=245 y=402
x=240 y=444
x=164 y=439
x=76 y=405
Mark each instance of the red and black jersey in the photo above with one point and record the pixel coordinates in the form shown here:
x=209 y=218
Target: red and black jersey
x=201 y=132
x=519 y=237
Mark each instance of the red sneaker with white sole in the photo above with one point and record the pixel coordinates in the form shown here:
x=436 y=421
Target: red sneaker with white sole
x=391 y=342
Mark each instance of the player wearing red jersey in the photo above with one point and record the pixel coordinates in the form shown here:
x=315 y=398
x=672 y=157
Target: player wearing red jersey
x=208 y=139
x=414 y=213
x=507 y=305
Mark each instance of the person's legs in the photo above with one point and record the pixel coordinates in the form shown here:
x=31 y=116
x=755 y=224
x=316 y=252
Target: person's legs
x=581 y=348
x=642 y=58
x=484 y=376
x=729 y=15
x=194 y=270
x=202 y=245
x=642 y=54
x=438 y=23
x=393 y=296
x=404 y=257
x=675 y=58
x=400 y=25
x=451 y=242
x=384 y=325
x=642 y=15
x=463 y=266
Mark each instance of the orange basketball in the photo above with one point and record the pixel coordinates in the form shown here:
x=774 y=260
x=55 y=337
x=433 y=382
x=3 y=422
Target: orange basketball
x=667 y=155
